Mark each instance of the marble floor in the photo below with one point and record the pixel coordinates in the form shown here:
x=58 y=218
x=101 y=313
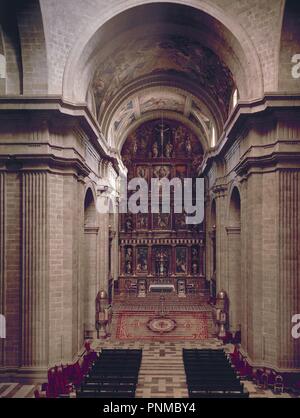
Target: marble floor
x=162 y=371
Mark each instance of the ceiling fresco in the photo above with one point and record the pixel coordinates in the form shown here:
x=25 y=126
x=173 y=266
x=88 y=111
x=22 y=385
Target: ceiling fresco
x=167 y=55
x=162 y=100
x=155 y=99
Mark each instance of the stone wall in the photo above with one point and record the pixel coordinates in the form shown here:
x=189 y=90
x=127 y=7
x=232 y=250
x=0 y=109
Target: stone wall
x=264 y=295
x=44 y=269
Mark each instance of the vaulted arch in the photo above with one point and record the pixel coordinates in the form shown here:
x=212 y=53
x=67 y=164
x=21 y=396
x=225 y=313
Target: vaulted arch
x=173 y=39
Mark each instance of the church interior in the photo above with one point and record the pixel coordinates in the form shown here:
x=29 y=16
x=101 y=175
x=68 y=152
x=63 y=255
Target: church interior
x=112 y=303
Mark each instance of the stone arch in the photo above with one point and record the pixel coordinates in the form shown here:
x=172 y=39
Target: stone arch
x=234 y=286
x=288 y=47
x=90 y=213
x=86 y=43
x=90 y=262
x=234 y=208
x=167 y=115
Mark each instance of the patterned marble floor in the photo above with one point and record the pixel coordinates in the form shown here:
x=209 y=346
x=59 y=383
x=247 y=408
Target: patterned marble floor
x=161 y=373
x=16 y=390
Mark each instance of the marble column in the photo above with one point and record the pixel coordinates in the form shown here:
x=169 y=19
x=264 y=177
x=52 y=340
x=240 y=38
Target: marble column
x=34 y=270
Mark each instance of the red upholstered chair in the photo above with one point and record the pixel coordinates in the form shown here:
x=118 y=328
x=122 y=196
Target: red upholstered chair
x=52 y=389
x=235 y=353
x=77 y=375
x=87 y=346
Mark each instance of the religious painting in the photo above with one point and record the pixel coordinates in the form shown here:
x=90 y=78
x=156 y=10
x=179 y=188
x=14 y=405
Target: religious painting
x=142 y=221
x=161 y=261
x=128 y=260
x=142 y=260
x=179 y=136
x=181 y=260
x=128 y=224
x=159 y=99
x=161 y=221
x=144 y=56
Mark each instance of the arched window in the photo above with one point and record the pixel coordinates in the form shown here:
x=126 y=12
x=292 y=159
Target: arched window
x=235 y=98
x=213 y=137
x=2 y=326
x=2 y=66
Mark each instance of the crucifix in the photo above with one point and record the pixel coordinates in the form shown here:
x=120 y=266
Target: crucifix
x=162 y=131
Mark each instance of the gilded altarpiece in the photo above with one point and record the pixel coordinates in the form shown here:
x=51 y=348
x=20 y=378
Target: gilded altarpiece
x=161 y=248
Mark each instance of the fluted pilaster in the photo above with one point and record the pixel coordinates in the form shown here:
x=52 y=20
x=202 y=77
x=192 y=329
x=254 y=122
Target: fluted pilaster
x=2 y=259
x=34 y=270
x=289 y=266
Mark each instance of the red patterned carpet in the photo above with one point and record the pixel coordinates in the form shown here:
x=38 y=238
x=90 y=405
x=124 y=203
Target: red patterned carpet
x=132 y=325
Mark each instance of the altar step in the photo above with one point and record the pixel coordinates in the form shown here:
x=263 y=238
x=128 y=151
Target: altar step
x=169 y=299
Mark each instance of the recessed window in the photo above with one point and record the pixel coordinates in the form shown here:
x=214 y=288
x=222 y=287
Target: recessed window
x=213 y=137
x=235 y=98
x=2 y=66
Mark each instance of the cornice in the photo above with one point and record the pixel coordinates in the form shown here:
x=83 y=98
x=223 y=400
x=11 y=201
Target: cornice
x=245 y=110
x=57 y=104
